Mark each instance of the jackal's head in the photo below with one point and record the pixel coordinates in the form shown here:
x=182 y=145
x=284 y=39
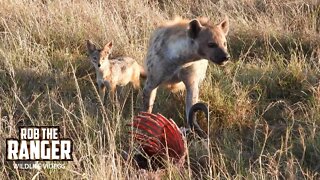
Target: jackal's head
x=99 y=56
x=211 y=39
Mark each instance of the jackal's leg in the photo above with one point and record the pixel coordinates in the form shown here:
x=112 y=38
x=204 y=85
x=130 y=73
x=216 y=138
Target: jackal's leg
x=113 y=96
x=136 y=81
x=136 y=84
x=102 y=91
x=149 y=95
x=112 y=93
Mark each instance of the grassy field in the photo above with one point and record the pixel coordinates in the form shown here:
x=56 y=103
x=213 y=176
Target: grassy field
x=264 y=104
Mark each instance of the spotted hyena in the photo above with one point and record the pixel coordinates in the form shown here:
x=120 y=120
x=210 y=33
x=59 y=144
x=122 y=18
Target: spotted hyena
x=113 y=72
x=178 y=56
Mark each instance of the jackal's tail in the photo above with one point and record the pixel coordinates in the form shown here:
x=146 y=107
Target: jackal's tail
x=159 y=136
x=143 y=73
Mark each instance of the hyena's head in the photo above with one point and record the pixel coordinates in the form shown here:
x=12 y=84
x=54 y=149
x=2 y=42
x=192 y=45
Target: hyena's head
x=99 y=56
x=211 y=39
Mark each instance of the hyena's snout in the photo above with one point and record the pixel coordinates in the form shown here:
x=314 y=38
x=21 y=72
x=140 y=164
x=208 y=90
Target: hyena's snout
x=221 y=56
x=225 y=57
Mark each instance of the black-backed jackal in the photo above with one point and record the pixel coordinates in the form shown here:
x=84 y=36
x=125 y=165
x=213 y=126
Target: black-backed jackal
x=113 y=72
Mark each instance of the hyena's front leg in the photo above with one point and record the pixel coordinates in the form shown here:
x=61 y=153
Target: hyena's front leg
x=149 y=95
x=192 y=77
x=191 y=98
x=192 y=87
x=154 y=78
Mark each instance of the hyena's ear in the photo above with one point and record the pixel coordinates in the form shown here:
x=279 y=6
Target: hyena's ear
x=194 y=28
x=224 y=25
x=204 y=20
x=91 y=47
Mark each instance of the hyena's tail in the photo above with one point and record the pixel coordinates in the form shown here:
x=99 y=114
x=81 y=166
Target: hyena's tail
x=143 y=73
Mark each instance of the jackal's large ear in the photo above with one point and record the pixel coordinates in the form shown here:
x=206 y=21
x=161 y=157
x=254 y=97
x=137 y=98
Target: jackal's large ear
x=108 y=47
x=91 y=47
x=224 y=25
x=194 y=28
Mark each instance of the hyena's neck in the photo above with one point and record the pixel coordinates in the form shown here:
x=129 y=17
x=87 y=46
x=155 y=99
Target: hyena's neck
x=183 y=51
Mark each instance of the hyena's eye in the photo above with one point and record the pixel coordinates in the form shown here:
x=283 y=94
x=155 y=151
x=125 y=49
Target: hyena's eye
x=212 y=45
x=225 y=44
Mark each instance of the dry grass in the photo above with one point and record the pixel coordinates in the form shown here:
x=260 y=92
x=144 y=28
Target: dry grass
x=265 y=104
